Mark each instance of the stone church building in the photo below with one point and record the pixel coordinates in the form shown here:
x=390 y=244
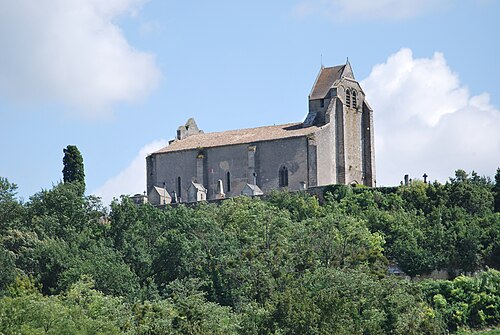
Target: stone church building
x=333 y=145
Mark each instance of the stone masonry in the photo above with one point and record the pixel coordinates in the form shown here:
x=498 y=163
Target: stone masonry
x=334 y=145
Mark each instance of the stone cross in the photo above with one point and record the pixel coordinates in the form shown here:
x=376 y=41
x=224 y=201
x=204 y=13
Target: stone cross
x=425 y=177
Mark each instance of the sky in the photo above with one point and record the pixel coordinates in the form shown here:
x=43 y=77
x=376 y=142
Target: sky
x=116 y=78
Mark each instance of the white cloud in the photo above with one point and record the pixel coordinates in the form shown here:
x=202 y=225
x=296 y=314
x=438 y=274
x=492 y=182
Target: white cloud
x=132 y=179
x=427 y=121
x=366 y=9
x=72 y=52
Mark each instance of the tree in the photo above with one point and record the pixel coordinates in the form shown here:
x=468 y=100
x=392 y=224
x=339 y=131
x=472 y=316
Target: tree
x=335 y=301
x=472 y=194
x=81 y=310
x=73 y=166
x=497 y=191
x=7 y=264
x=466 y=302
x=10 y=209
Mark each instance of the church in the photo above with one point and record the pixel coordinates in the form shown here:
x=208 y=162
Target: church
x=333 y=145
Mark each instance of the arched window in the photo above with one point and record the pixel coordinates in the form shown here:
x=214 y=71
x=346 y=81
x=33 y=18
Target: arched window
x=354 y=99
x=179 y=187
x=283 y=176
x=348 y=98
x=228 y=181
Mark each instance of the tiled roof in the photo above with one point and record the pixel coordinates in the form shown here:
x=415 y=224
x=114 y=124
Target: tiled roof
x=161 y=191
x=240 y=136
x=325 y=80
x=198 y=186
x=254 y=188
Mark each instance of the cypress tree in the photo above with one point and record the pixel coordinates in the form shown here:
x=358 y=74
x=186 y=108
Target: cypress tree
x=496 y=191
x=73 y=166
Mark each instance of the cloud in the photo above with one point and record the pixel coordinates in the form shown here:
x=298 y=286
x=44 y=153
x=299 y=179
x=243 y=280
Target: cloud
x=427 y=121
x=132 y=179
x=366 y=9
x=72 y=52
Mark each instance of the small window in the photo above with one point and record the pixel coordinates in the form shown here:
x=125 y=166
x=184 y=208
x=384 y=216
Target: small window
x=348 y=98
x=228 y=181
x=283 y=176
x=354 y=99
x=179 y=187
x=322 y=103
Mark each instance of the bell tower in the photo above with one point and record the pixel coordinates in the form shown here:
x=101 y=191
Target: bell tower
x=337 y=103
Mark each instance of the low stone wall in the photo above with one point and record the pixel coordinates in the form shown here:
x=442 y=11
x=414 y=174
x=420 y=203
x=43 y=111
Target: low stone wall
x=336 y=190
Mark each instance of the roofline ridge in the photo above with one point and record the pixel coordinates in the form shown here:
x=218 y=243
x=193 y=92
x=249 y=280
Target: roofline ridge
x=159 y=151
x=303 y=132
x=243 y=129
x=316 y=80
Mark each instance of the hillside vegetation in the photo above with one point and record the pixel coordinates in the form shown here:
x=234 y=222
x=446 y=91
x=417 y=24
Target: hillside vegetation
x=285 y=264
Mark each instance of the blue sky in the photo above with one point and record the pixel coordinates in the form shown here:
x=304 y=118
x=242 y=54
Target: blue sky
x=117 y=78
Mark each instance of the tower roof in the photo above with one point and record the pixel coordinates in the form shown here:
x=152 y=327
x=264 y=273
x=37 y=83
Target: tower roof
x=326 y=77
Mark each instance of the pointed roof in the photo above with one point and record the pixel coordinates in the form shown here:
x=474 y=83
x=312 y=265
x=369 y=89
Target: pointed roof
x=198 y=186
x=251 y=189
x=161 y=192
x=327 y=76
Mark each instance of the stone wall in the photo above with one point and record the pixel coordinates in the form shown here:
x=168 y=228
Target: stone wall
x=166 y=168
x=340 y=152
x=212 y=164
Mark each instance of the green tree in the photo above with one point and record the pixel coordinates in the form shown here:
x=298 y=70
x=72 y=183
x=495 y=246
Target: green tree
x=8 y=272
x=112 y=275
x=490 y=227
x=10 y=209
x=60 y=212
x=194 y=315
x=300 y=204
x=73 y=166
x=466 y=302
x=472 y=194
x=82 y=311
x=337 y=241
x=496 y=191
x=334 y=301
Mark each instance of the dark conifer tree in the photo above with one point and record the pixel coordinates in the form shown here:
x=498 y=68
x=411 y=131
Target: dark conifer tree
x=496 y=191
x=73 y=170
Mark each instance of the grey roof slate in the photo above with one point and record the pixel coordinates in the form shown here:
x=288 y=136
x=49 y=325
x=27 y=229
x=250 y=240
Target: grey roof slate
x=251 y=189
x=325 y=80
x=161 y=191
x=198 y=186
x=240 y=136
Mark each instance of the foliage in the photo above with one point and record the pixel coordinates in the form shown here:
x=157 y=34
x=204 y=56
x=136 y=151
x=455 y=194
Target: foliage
x=300 y=205
x=485 y=332
x=10 y=209
x=496 y=191
x=73 y=171
x=83 y=311
x=466 y=301
x=332 y=301
x=8 y=269
x=282 y=264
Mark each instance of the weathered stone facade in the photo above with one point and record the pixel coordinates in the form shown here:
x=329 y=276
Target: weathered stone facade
x=334 y=145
